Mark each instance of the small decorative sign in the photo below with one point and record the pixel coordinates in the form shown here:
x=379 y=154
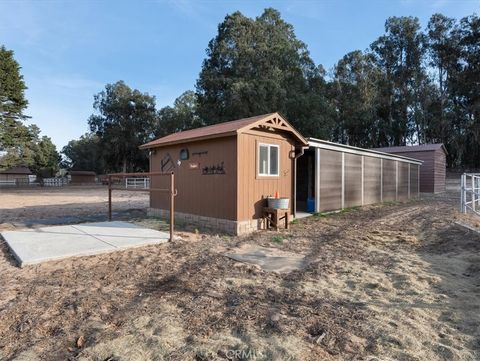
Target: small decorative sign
x=203 y=152
x=167 y=164
x=193 y=165
x=214 y=169
x=184 y=154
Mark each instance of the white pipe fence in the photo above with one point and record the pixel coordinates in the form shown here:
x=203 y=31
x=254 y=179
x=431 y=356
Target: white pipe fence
x=54 y=182
x=142 y=183
x=470 y=193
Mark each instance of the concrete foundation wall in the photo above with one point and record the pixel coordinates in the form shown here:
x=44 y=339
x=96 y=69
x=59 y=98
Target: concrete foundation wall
x=212 y=224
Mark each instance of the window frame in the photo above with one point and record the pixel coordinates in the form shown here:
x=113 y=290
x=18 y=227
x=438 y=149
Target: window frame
x=269 y=146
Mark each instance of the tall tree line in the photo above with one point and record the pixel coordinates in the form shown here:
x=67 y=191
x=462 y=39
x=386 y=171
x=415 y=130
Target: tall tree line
x=21 y=144
x=413 y=85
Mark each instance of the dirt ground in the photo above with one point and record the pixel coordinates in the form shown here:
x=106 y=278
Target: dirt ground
x=20 y=207
x=389 y=282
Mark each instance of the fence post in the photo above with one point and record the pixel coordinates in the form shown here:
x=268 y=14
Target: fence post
x=473 y=193
x=343 y=180
x=462 y=194
x=363 y=180
x=477 y=179
x=172 y=204
x=109 y=198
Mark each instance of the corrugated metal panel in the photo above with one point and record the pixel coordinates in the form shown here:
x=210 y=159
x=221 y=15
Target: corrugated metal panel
x=253 y=189
x=372 y=180
x=330 y=180
x=353 y=177
x=209 y=195
x=323 y=144
x=433 y=169
x=389 y=180
x=414 y=180
x=403 y=180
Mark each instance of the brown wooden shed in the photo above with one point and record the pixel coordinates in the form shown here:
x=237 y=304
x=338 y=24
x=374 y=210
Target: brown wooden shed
x=225 y=172
x=433 y=170
x=15 y=176
x=82 y=177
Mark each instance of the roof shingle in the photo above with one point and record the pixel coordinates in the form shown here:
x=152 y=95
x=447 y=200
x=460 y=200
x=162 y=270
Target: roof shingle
x=210 y=131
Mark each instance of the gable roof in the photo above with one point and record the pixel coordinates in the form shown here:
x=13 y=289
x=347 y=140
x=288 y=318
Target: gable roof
x=17 y=170
x=413 y=148
x=265 y=121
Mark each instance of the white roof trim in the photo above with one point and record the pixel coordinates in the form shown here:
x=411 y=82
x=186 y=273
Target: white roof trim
x=323 y=144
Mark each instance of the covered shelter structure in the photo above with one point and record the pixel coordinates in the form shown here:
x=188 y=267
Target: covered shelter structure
x=434 y=167
x=15 y=176
x=82 y=177
x=334 y=176
x=225 y=172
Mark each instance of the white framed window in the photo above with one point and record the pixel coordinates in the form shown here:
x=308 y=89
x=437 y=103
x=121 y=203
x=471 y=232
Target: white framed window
x=268 y=160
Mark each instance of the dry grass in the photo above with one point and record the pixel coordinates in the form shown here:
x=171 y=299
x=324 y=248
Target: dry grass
x=396 y=282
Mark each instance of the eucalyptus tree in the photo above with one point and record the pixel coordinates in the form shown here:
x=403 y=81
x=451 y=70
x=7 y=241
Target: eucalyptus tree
x=354 y=91
x=124 y=119
x=400 y=54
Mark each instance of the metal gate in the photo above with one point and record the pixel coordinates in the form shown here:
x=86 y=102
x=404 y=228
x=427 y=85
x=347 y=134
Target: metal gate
x=470 y=193
x=116 y=178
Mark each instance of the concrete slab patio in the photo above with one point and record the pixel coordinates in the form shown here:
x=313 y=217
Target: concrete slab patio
x=31 y=246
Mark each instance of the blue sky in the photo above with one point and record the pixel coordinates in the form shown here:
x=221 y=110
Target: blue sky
x=69 y=50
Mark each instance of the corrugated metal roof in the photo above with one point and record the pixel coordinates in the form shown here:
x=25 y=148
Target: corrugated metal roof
x=412 y=148
x=319 y=143
x=213 y=131
x=17 y=170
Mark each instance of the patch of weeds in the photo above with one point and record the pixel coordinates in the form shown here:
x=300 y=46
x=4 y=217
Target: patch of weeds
x=278 y=239
x=349 y=209
x=295 y=221
x=390 y=203
x=320 y=214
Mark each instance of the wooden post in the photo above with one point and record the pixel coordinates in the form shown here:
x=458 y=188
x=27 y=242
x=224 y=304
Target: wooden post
x=109 y=198
x=343 y=180
x=172 y=204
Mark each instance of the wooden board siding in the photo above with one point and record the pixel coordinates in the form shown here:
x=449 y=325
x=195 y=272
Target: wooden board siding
x=82 y=179
x=389 y=182
x=212 y=195
x=403 y=180
x=414 y=180
x=372 y=180
x=330 y=180
x=253 y=189
x=12 y=177
x=353 y=180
